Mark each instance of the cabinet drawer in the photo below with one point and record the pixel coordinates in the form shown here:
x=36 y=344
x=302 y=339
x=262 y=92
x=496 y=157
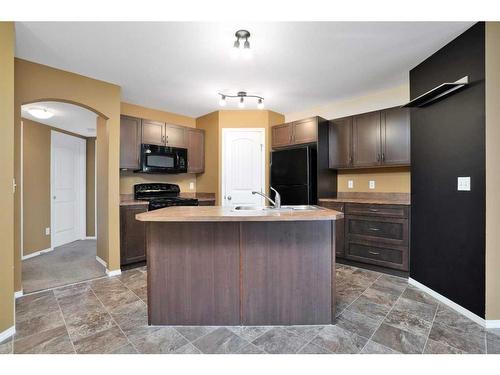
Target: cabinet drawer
x=393 y=231
x=380 y=210
x=337 y=206
x=382 y=256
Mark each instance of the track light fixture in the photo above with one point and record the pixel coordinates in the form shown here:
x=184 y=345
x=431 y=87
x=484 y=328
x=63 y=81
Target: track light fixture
x=241 y=95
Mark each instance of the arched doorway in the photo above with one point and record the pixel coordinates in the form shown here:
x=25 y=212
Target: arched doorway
x=59 y=210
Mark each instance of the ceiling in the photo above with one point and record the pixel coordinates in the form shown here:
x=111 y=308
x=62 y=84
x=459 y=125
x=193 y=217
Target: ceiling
x=181 y=66
x=67 y=117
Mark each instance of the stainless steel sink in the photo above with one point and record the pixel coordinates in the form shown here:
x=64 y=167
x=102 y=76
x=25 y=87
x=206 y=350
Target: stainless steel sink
x=273 y=209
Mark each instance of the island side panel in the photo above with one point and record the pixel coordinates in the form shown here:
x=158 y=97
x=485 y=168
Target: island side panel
x=335 y=243
x=286 y=272
x=193 y=273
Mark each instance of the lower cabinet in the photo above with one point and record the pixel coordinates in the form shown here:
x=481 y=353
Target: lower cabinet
x=373 y=233
x=132 y=235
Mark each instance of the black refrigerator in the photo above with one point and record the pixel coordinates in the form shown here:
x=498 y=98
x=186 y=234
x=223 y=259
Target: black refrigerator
x=293 y=175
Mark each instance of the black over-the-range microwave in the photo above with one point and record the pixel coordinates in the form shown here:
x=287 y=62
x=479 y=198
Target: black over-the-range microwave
x=163 y=159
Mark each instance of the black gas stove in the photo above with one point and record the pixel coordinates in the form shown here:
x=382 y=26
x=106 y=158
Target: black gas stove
x=162 y=195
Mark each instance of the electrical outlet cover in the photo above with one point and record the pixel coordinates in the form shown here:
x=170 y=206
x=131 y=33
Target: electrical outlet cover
x=371 y=184
x=350 y=184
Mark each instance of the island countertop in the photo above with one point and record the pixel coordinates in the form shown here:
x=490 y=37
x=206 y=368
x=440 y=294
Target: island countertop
x=224 y=214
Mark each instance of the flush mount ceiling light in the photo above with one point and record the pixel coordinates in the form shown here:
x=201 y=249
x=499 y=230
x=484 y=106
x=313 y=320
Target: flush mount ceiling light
x=41 y=113
x=241 y=45
x=241 y=95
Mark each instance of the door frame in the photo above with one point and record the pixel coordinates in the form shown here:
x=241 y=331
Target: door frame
x=226 y=131
x=81 y=187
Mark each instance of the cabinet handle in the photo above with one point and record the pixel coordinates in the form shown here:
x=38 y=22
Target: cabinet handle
x=383 y=157
x=373 y=252
x=374 y=229
x=378 y=157
x=373 y=210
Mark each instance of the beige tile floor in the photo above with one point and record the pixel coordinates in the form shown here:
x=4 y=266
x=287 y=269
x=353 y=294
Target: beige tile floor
x=376 y=313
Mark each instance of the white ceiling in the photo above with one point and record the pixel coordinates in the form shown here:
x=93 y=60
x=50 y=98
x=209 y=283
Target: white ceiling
x=68 y=117
x=180 y=66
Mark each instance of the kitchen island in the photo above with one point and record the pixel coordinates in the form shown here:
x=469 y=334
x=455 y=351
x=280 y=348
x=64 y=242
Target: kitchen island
x=217 y=266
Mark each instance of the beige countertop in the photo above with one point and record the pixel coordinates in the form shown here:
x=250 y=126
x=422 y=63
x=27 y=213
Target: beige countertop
x=218 y=213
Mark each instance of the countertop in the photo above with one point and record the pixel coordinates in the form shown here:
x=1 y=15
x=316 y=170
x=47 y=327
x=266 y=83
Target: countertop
x=222 y=214
x=371 y=198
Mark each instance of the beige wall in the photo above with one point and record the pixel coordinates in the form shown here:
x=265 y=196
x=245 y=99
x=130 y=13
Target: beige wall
x=35 y=82
x=492 y=170
x=36 y=185
x=387 y=180
x=91 y=187
x=102 y=155
x=6 y=175
x=129 y=179
x=208 y=181
x=213 y=123
x=390 y=180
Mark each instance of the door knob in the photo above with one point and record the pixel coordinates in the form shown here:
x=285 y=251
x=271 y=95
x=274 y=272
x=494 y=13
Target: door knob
x=54 y=197
x=228 y=197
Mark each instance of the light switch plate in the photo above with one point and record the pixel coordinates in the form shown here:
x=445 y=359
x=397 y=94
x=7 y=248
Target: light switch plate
x=191 y=185
x=350 y=184
x=371 y=184
x=47 y=231
x=463 y=183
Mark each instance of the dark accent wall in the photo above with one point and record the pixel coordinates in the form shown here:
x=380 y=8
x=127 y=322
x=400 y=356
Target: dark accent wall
x=447 y=141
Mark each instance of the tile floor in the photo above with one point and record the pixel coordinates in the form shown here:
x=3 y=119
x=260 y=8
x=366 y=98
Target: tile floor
x=67 y=264
x=376 y=313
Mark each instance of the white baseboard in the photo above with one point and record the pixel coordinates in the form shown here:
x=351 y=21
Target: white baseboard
x=451 y=304
x=37 y=253
x=101 y=261
x=90 y=238
x=18 y=294
x=7 y=333
x=492 y=323
x=113 y=272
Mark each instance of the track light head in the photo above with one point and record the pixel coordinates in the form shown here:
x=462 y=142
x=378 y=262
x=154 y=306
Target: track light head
x=222 y=101
x=241 y=103
x=260 y=104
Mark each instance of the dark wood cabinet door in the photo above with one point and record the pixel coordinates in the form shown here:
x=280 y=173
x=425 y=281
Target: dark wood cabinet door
x=133 y=235
x=153 y=132
x=396 y=136
x=340 y=143
x=175 y=136
x=305 y=131
x=366 y=140
x=130 y=142
x=281 y=135
x=196 y=150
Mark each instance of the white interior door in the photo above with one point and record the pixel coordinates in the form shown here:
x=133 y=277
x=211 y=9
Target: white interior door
x=67 y=188
x=243 y=166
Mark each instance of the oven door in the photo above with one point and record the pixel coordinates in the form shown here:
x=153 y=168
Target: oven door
x=161 y=159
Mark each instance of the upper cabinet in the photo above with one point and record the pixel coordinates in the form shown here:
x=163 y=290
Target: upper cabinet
x=175 y=136
x=153 y=132
x=295 y=133
x=196 y=150
x=134 y=131
x=340 y=143
x=366 y=146
x=396 y=136
x=374 y=139
x=130 y=142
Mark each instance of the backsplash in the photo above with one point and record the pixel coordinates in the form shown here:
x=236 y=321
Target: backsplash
x=386 y=180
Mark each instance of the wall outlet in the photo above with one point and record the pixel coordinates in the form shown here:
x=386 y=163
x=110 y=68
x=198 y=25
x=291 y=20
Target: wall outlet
x=463 y=183
x=371 y=184
x=191 y=185
x=350 y=184
x=47 y=231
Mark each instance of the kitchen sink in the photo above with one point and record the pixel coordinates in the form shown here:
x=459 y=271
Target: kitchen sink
x=271 y=208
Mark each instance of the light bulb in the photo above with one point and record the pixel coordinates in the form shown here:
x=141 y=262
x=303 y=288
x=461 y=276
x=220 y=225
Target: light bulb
x=260 y=104
x=236 y=44
x=222 y=101
x=241 y=103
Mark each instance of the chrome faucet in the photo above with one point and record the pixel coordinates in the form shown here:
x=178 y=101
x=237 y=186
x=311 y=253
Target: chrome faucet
x=277 y=199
